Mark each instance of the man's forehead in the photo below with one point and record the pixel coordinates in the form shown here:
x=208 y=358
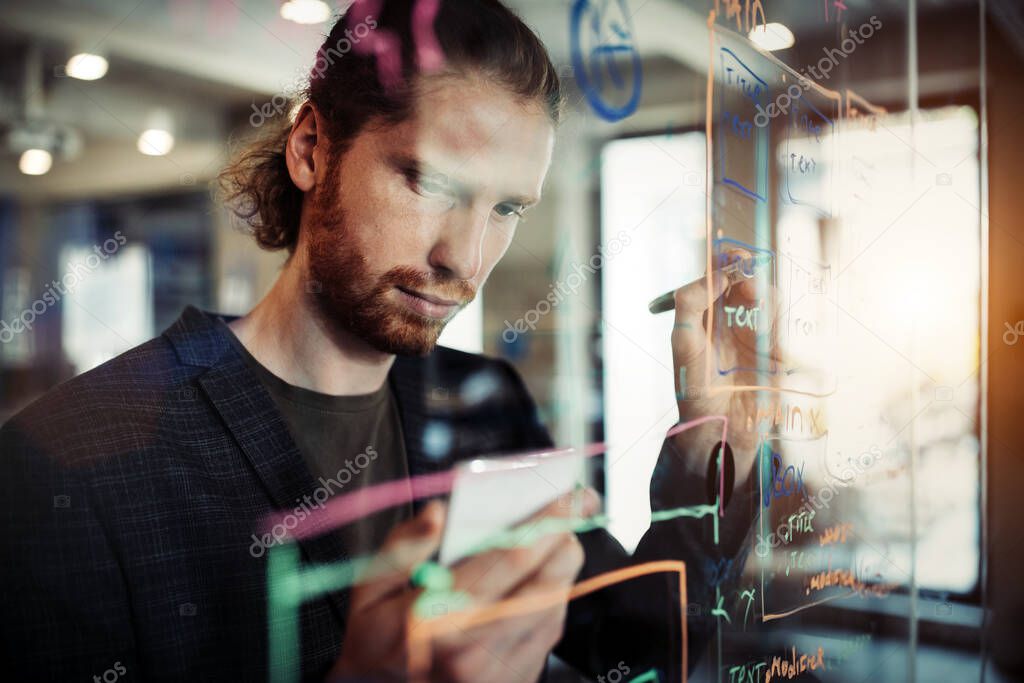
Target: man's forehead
x=479 y=133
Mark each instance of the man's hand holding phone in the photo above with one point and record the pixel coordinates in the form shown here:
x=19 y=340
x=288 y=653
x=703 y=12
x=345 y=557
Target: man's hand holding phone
x=513 y=649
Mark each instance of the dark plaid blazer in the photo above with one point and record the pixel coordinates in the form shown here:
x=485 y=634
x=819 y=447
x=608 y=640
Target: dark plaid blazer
x=131 y=492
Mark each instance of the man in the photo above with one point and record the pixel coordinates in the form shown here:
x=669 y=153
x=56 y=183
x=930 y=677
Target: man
x=395 y=199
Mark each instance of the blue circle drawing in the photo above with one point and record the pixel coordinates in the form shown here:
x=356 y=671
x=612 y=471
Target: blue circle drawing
x=592 y=86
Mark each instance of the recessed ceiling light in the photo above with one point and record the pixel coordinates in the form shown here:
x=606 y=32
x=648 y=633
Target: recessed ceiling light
x=86 y=67
x=35 y=162
x=306 y=11
x=773 y=36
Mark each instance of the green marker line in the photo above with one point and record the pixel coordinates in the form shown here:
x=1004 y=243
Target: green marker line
x=649 y=677
x=307 y=583
x=284 y=578
x=696 y=511
x=681 y=392
x=718 y=611
x=289 y=584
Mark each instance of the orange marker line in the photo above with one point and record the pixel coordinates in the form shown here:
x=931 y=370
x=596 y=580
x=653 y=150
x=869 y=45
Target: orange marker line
x=419 y=645
x=709 y=183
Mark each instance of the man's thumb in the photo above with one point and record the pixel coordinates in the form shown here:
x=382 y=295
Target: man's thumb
x=408 y=545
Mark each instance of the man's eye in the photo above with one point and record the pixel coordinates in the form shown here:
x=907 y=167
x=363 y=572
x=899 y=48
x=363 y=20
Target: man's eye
x=432 y=186
x=428 y=186
x=506 y=210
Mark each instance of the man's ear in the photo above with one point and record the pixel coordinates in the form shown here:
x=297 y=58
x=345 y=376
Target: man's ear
x=303 y=155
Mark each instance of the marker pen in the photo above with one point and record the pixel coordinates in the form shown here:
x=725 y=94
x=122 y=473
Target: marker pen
x=666 y=302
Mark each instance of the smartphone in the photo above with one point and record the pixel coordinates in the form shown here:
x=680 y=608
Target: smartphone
x=493 y=494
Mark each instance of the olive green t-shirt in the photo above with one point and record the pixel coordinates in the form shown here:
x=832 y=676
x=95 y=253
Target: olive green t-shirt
x=348 y=443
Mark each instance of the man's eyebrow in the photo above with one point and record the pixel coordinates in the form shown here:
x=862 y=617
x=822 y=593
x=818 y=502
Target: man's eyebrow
x=410 y=162
x=405 y=162
x=526 y=202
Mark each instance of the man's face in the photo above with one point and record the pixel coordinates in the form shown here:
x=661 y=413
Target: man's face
x=407 y=227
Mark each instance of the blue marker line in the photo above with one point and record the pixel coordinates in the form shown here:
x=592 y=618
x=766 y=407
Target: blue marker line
x=591 y=83
x=726 y=180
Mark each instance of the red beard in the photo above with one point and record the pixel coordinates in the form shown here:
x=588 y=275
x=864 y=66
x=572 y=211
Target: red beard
x=347 y=295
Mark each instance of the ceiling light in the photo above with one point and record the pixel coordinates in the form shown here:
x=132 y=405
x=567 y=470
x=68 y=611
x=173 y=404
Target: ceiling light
x=157 y=137
x=35 y=162
x=773 y=36
x=85 y=66
x=306 y=11
x=156 y=142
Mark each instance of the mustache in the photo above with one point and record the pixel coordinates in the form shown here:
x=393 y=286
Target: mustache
x=434 y=284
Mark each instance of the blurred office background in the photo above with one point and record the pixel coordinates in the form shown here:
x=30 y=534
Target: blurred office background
x=115 y=116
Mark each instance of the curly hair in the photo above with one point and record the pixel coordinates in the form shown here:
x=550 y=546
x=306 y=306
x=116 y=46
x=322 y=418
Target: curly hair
x=345 y=87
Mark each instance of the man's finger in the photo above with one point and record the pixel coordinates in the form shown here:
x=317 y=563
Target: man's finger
x=492 y=575
x=538 y=643
x=540 y=627
x=582 y=502
x=691 y=301
x=550 y=583
x=497 y=636
x=409 y=544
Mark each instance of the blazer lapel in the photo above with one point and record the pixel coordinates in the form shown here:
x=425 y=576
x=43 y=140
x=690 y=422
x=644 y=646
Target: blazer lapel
x=252 y=417
x=257 y=425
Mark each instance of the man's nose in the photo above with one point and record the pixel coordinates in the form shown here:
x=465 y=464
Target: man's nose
x=459 y=247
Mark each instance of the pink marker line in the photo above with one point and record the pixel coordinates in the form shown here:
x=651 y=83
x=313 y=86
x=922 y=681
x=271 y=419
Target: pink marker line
x=384 y=45
x=344 y=509
x=349 y=507
x=429 y=55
